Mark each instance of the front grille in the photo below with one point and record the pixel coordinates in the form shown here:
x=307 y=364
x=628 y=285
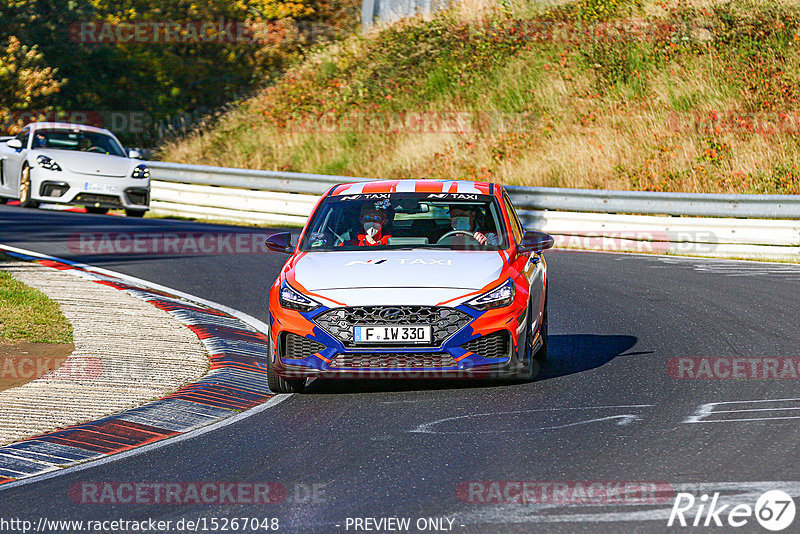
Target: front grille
x=137 y=196
x=296 y=347
x=393 y=361
x=492 y=346
x=90 y=199
x=339 y=322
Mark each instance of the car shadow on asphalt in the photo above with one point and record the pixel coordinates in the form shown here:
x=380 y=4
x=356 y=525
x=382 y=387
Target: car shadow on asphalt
x=567 y=354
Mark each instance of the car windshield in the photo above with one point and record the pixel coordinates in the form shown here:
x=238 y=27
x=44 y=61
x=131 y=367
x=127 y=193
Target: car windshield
x=77 y=140
x=406 y=220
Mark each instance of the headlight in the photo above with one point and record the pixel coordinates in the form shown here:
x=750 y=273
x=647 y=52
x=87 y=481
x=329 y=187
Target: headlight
x=141 y=171
x=496 y=298
x=47 y=163
x=293 y=300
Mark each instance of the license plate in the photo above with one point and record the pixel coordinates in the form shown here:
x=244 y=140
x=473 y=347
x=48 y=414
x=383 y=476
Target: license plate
x=392 y=334
x=99 y=188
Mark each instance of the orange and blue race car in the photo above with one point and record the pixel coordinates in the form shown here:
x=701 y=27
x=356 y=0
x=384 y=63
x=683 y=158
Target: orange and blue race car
x=409 y=279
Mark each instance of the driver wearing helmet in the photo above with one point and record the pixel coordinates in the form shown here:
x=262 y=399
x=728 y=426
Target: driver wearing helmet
x=464 y=218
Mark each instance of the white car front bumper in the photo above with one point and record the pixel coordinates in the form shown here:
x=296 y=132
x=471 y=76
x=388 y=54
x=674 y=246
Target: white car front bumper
x=66 y=187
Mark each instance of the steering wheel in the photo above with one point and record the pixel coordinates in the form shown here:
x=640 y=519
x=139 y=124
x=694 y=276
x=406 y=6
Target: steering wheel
x=457 y=232
x=96 y=149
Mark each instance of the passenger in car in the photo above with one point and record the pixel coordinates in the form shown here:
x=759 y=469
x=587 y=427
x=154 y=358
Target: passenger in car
x=375 y=219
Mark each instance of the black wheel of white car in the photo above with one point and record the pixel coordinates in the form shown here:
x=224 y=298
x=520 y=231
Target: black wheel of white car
x=25 y=189
x=276 y=383
x=135 y=213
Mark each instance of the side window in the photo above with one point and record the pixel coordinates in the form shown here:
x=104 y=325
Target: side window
x=516 y=226
x=23 y=136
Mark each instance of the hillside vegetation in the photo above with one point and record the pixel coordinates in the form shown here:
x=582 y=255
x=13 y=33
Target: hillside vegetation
x=620 y=94
x=90 y=57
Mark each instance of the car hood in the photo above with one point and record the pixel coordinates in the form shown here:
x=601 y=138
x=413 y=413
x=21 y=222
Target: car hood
x=398 y=269
x=88 y=163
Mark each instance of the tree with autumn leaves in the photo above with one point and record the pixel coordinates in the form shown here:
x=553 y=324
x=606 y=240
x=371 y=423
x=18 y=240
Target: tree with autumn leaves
x=43 y=66
x=25 y=80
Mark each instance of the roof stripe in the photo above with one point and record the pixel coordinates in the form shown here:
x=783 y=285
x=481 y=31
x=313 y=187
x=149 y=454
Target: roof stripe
x=413 y=186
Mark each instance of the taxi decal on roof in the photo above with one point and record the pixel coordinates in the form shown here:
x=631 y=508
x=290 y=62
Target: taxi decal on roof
x=412 y=186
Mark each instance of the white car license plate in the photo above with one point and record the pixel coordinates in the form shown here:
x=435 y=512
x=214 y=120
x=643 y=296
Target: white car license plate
x=392 y=334
x=99 y=188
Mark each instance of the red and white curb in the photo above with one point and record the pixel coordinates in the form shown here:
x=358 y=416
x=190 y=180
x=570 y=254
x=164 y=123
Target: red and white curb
x=236 y=382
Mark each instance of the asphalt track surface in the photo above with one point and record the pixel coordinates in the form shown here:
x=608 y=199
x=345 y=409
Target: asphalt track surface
x=604 y=408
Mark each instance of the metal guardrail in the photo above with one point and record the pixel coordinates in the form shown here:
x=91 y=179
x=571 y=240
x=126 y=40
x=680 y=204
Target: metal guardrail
x=525 y=198
x=651 y=203
x=282 y=182
x=612 y=221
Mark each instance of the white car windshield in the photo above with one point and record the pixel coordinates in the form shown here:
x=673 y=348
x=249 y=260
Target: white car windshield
x=77 y=140
x=406 y=220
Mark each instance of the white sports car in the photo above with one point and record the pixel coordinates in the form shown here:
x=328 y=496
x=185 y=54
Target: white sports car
x=73 y=164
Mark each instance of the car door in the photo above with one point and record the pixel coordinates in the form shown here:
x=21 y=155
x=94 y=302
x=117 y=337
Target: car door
x=11 y=163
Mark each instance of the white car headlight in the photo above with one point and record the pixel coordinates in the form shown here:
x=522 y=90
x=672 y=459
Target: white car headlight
x=496 y=298
x=293 y=300
x=47 y=163
x=141 y=171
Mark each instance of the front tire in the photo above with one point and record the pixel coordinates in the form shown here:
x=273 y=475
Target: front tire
x=134 y=213
x=535 y=362
x=25 y=189
x=278 y=384
x=541 y=354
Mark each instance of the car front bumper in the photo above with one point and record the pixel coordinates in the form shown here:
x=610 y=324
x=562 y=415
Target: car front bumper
x=487 y=345
x=66 y=187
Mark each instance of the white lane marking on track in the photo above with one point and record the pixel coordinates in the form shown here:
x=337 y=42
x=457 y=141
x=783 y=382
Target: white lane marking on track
x=255 y=323
x=731 y=493
x=731 y=268
x=705 y=412
x=623 y=419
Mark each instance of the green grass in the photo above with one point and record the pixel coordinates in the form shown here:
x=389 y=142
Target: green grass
x=27 y=314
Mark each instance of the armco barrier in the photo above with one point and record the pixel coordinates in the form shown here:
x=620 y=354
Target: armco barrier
x=749 y=226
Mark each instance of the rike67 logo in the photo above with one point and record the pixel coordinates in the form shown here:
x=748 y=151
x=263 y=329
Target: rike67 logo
x=774 y=510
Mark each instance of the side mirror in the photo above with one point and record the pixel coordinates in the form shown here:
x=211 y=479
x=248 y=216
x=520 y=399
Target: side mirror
x=535 y=242
x=15 y=143
x=281 y=242
x=134 y=154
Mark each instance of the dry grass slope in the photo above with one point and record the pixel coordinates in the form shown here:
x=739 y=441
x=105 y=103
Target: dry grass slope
x=664 y=95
